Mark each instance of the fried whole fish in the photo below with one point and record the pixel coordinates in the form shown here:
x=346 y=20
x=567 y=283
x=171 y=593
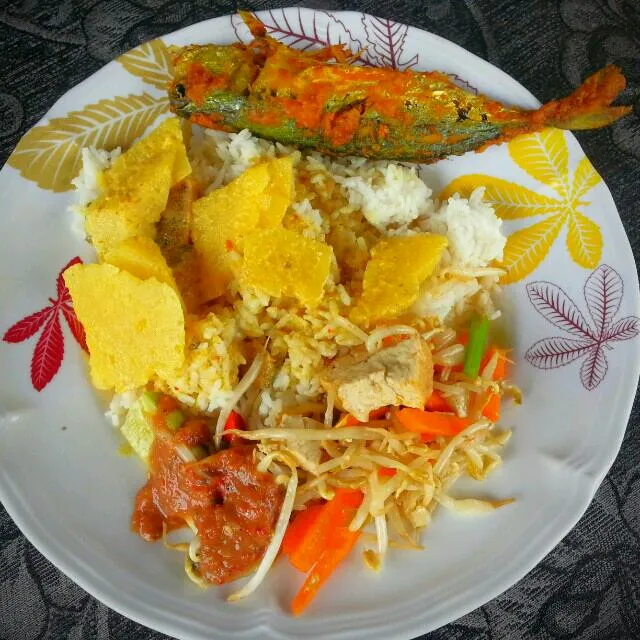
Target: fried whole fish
x=321 y=100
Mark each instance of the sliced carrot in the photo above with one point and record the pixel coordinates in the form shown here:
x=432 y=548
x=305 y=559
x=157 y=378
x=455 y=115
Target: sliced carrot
x=500 y=372
x=386 y=472
x=436 y=402
x=491 y=410
x=338 y=547
x=436 y=423
x=348 y=420
x=299 y=528
x=337 y=512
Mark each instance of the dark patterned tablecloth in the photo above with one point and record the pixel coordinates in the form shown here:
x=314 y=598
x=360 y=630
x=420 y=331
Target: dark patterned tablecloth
x=588 y=587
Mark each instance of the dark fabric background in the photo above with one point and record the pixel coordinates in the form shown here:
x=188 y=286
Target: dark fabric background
x=587 y=588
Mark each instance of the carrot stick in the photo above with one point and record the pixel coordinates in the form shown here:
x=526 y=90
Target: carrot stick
x=436 y=402
x=347 y=420
x=299 y=528
x=335 y=513
x=500 y=372
x=338 y=547
x=342 y=542
x=436 y=423
x=386 y=472
x=491 y=410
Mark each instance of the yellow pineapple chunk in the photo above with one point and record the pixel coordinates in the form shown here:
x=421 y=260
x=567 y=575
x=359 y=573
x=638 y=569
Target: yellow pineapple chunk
x=222 y=220
x=133 y=207
x=220 y=223
x=142 y=258
x=279 y=193
x=136 y=187
x=135 y=328
x=280 y=262
x=166 y=137
x=393 y=275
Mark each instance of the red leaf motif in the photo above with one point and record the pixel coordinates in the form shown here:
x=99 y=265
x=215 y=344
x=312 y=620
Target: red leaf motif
x=288 y=28
x=551 y=353
x=28 y=326
x=77 y=330
x=386 y=40
x=603 y=293
x=624 y=329
x=594 y=368
x=48 y=354
x=551 y=302
x=61 y=288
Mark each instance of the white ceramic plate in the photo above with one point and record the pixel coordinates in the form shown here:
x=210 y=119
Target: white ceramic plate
x=572 y=311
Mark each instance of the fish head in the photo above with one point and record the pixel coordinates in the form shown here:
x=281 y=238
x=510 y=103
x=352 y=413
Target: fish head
x=202 y=73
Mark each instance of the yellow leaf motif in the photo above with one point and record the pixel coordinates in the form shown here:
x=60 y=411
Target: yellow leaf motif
x=545 y=157
x=584 y=240
x=150 y=61
x=527 y=248
x=510 y=200
x=50 y=154
x=584 y=179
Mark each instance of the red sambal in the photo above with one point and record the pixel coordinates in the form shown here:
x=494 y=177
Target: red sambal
x=233 y=506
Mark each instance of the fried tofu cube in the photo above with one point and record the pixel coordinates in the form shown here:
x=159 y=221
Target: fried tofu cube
x=279 y=262
x=136 y=187
x=221 y=221
x=398 y=375
x=142 y=258
x=393 y=275
x=135 y=328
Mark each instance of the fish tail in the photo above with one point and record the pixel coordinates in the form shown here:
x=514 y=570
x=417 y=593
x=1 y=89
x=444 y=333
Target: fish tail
x=255 y=25
x=589 y=106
